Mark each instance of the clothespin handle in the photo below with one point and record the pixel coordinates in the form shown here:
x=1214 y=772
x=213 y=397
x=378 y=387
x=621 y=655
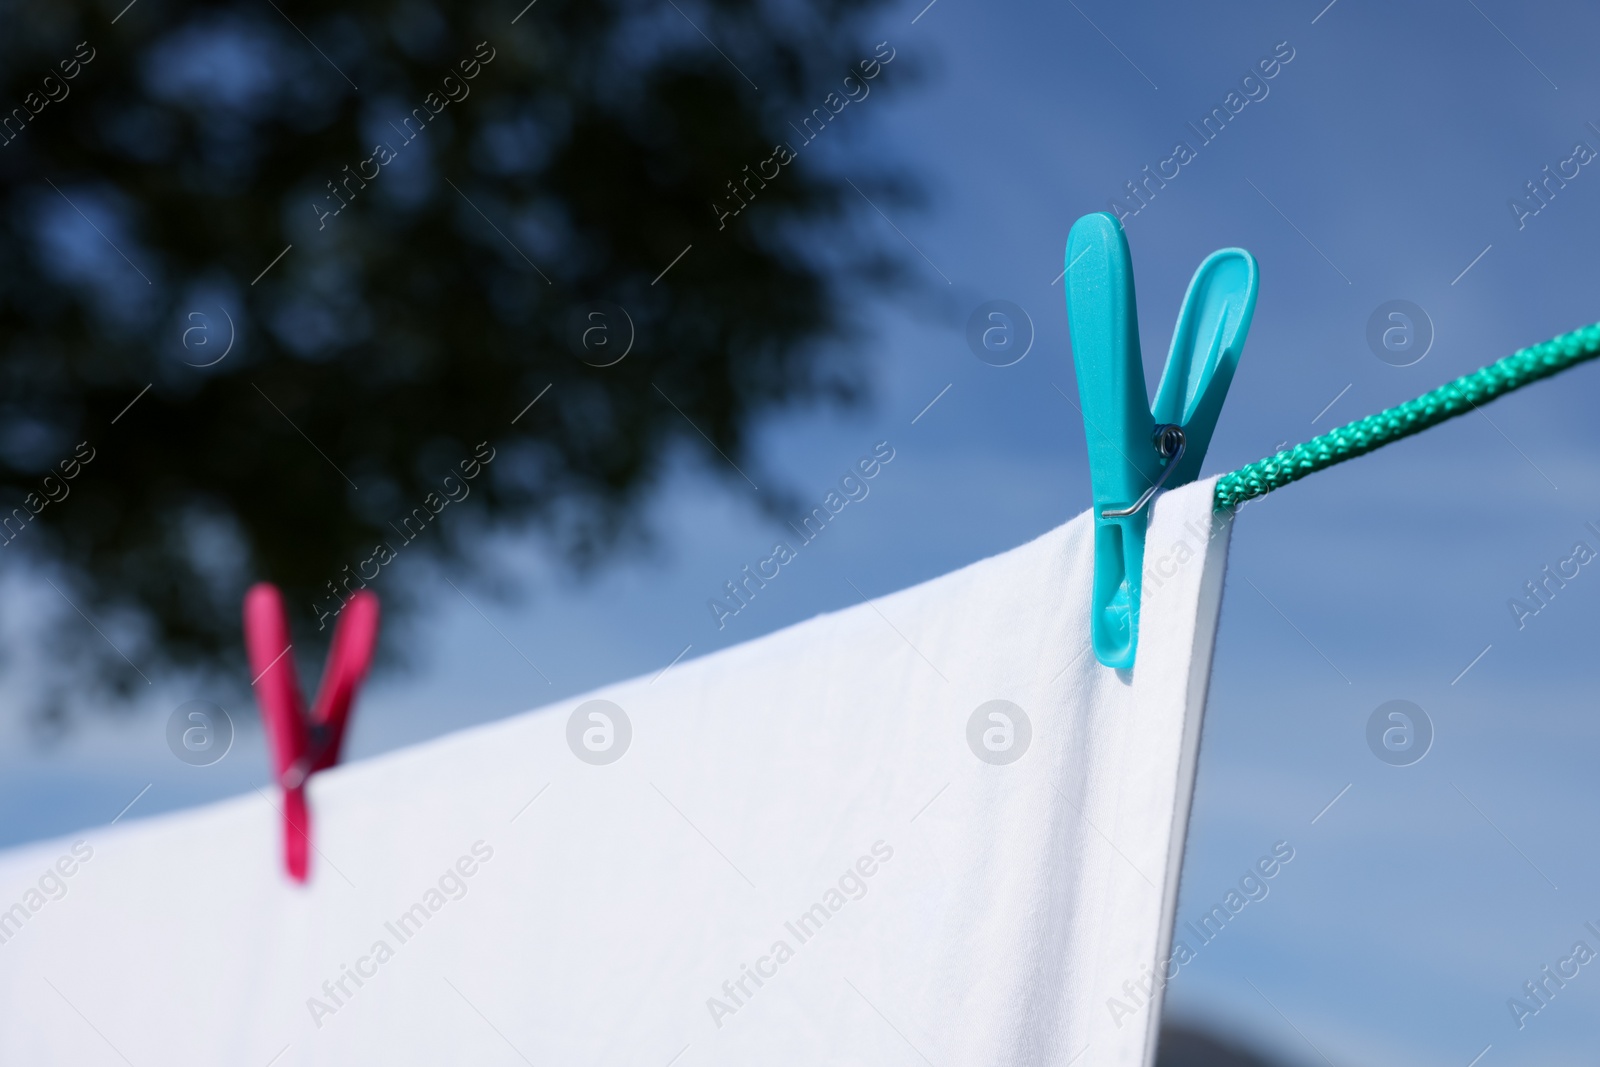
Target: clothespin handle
x=355 y=638
x=1104 y=322
x=1206 y=345
x=301 y=745
x=277 y=684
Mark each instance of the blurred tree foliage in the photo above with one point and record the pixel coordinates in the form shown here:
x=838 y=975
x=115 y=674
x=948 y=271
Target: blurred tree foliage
x=154 y=170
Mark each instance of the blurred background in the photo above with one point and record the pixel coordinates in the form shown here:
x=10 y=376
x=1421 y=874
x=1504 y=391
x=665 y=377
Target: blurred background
x=270 y=275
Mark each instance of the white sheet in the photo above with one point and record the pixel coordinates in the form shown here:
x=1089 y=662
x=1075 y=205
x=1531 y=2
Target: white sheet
x=960 y=911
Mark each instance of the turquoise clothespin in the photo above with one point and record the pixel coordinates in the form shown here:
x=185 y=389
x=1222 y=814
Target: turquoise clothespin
x=1136 y=448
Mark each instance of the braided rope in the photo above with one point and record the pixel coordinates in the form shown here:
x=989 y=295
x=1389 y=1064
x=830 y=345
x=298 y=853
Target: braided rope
x=1414 y=416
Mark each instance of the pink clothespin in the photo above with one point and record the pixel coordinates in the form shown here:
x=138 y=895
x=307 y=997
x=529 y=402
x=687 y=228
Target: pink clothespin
x=302 y=745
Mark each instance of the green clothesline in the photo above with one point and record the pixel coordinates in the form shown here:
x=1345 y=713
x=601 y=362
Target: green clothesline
x=1403 y=420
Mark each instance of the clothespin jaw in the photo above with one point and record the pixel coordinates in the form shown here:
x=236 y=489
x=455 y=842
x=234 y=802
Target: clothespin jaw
x=1132 y=449
x=301 y=745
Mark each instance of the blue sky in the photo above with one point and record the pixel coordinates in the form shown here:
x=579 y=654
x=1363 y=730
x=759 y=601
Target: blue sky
x=1379 y=166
